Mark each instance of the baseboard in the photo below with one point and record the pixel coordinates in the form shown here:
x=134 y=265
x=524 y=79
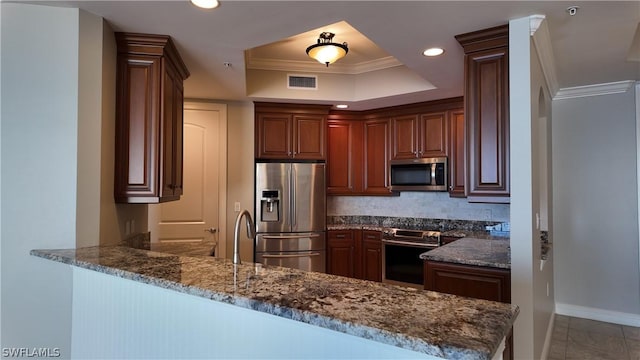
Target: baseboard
x=547 y=338
x=598 y=314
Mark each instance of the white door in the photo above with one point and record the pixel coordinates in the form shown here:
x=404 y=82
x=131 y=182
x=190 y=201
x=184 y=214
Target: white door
x=199 y=214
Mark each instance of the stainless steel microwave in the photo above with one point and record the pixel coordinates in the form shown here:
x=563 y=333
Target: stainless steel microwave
x=426 y=174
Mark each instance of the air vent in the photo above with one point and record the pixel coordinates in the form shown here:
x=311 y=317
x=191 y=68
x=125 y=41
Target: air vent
x=306 y=82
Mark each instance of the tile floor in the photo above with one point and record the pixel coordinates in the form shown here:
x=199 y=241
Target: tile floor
x=575 y=338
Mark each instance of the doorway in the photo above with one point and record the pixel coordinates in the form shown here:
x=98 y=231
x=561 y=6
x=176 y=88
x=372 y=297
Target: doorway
x=200 y=214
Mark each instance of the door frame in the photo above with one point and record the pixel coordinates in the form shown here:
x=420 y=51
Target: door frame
x=154 y=213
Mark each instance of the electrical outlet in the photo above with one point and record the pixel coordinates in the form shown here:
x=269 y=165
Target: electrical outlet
x=236 y=206
x=127 y=227
x=547 y=289
x=133 y=226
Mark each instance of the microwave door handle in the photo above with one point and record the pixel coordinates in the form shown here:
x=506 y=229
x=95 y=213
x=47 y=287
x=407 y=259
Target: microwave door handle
x=433 y=174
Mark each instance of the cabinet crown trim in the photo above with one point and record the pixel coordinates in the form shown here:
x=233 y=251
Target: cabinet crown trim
x=491 y=38
x=151 y=45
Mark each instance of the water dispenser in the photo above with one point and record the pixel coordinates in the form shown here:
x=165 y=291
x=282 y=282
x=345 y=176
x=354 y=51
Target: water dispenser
x=270 y=205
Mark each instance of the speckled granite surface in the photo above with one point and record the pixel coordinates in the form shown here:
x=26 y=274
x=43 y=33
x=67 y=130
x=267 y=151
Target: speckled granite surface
x=410 y=223
x=437 y=324
x=472 y=251
x=185 y=249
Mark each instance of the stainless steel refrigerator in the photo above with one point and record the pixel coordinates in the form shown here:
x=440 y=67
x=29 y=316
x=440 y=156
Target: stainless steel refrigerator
x=290 y=212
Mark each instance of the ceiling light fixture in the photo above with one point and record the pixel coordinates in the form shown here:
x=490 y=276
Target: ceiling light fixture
x=433 y=52
x=325 y=51
x=342 y=106
x=206 y=4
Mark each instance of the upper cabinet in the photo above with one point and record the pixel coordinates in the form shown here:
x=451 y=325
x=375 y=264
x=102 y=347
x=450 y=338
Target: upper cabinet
x=456 y=154
x=419 y=135
x=487 y=113
x=357 y=155
x=290 y=131
x=149 y=119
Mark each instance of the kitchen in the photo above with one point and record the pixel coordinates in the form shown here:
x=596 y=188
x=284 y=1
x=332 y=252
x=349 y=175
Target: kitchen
x=243 y=174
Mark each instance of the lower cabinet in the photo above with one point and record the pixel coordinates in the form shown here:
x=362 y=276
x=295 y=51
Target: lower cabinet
x=471 y=281
x=355 y=254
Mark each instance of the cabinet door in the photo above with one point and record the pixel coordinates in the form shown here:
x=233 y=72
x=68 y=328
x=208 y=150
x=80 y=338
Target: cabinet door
x=404 y=137
x=341 y=253
x=376 y=157
x=433 y=135
x=487 y=125
x=344 y=157
x=137 y=128
x=171 y=119
x=273 y=135
x=456 y=154
x=471 y=281
x=309 y=137
x=372 y=255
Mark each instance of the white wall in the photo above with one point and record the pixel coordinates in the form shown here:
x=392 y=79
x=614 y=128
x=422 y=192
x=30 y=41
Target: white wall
x=596 y=214
x=528 y=281
x=117 y=318
x=39 y=161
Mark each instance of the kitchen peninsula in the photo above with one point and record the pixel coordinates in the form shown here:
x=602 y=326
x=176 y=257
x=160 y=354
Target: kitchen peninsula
x=364 y=316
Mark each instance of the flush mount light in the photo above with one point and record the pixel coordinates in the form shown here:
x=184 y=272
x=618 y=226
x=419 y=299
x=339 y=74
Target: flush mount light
x=325 y=51
x=433 y=51
x=342 y=106
x=206 y=4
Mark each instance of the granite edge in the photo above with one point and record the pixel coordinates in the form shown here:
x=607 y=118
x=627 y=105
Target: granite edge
x=374 y=334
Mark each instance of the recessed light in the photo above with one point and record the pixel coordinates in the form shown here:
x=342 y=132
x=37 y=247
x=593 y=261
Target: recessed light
x=206 y=4
x=342 y=106
x=433 y=52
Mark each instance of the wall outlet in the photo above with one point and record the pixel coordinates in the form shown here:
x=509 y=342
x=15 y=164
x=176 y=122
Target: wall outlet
x=236 y=206
x=547 y=289
x=127 y=227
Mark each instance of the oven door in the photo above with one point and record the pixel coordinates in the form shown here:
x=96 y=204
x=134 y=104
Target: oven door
x=401 y=263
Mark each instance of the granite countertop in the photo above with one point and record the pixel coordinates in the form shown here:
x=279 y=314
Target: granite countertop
x=355 y=227
x=185 y=249
x=433 y=323
x=471 y=251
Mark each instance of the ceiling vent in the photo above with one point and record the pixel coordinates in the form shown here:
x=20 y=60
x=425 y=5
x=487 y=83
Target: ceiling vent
x=306 y=82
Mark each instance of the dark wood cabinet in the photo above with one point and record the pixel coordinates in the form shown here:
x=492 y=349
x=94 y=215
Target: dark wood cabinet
x=355 y=254
x=487 y=114
x=419 y=135
x=376 y=157
x=471 y=281
x=456 y=154
x=290 y=131
x=149 y=119
x=465 y=280
x=344 y=157
x=357 y=155
x=341 y=253
x=372 y=255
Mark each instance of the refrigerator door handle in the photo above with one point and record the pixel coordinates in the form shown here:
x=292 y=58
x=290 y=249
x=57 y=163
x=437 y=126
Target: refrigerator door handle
x=292 y=189
x=301 y=236
x=289 y=256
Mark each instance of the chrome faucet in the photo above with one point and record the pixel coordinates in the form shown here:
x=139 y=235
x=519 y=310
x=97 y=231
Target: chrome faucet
x=251 y=233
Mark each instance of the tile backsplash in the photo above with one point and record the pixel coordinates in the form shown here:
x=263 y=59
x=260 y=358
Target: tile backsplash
x=436 y=205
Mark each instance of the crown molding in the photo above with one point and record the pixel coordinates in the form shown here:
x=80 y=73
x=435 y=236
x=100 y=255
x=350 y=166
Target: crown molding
x=594 y=90
x=314 y=66
x=542 y=42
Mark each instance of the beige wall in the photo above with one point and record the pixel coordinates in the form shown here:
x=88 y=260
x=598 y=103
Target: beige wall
x=112 y=216
x=240 y=171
